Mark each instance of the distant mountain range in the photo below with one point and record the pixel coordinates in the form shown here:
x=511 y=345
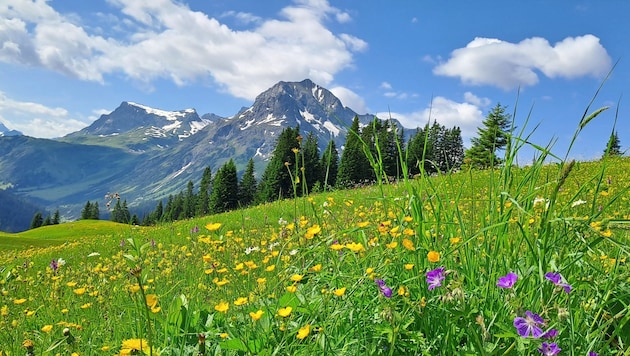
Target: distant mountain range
x=145 y=154
x=4 y=131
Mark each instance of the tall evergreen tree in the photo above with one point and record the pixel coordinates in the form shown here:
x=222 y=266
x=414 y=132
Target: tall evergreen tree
x=247 y=185
x=94 y=213
x=310 y=163
x=329 y=165
x=491 y=137
x=224 y=195
x=190 y=201
x=354 y=166
x=87 y=211
x=276 y=181
x=167 y=214
x=37 y=220
x=203 y=196
x=613 y=147
x=56 y=218
x=156 y=215
x=47 y=221
x=453 y=149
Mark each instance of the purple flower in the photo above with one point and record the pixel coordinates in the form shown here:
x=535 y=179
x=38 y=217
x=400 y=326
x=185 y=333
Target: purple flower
x=550 y=334
x=54 y=265
x=558 y=280
x=507 y=281
x=591 y=353
x=549 y=349
x=194 y=230
x=387 y=292
x=529 y=325
x=435 y=278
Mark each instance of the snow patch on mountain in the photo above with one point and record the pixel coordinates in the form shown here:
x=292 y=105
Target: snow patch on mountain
x=169 y=115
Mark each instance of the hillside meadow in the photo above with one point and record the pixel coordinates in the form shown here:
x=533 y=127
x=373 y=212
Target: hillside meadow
x=505 y=261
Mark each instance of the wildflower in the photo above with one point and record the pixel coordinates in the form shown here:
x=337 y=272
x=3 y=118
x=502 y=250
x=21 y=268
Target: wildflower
x=591 y=353
x=433 y=256
x=550 y=334
x=284 y=312
x=355 y=247
x=296 y=277
x=240 y=301
x=408 y=266
x=222 y=307
x=194 y=230
x=558 y=280
x=529 y=325
x=312 y=231
x=340 y=291
x=549 y=349
x=224 y=335
x=317 y=267
x=152 y=300
x=47 y=328
x=455 y=240
x=291 y=288
x=256 y=315
x=54 y=265
x=507 y=281
x=304 y=331
x=79 y=291
x=435 y=277
x=213 y=226
x=19 y=301
x=387 y=292
x=577 y=203
x=408 y=244
x=132 y=346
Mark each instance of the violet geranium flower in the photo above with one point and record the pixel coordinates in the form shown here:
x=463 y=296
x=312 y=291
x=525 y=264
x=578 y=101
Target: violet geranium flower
x=549 y=349
x=529 y=325
x=435 y=278
x=387 y=292
x=558 y=280
x=507 y=281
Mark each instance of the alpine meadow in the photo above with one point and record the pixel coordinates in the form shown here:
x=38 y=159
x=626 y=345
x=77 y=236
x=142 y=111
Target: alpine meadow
x=493 y=258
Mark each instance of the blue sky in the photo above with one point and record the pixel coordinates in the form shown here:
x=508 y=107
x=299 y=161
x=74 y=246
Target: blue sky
x=63 y=63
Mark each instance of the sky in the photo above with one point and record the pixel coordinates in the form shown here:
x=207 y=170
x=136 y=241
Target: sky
x=63 y=63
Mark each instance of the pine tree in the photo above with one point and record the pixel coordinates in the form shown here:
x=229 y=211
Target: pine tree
x=354 y=166
x=86 y=212
x=94 y=213
x=156 y=215
x=613 y=147
x=47 y=221
x=329 y=165
x=276 y=181
x=56 y=218
x=190 y=201
x=117 y=213
x=310 y=163
x=493 y=136
x=224 y=195
x=453 y=149
x=37 y=220
x=203 y=196
x=247 y=185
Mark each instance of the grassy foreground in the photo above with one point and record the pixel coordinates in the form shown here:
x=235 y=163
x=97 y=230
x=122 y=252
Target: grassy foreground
x=508 y=261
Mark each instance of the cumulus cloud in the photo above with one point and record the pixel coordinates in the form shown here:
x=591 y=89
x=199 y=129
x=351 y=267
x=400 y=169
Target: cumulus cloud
x=37 y=120
x=490 y=61
x=170 y=41
x=350 y=99
x=467 y=115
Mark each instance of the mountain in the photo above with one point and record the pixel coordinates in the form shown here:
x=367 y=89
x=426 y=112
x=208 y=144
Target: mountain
x=16 y=213
x=145 y=154
x=4 y=131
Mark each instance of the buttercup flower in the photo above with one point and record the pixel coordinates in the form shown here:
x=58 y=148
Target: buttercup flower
x=507 y=281
x=558 y=280
x=304 y=331
x=549 y=349
x=284 y=312
x=256 y=315
x=433 y=256
x=529 y=325
x=435 y=277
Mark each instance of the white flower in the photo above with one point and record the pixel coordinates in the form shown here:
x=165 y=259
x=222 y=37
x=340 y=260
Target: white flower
x=281 y=221
x=293 y=252
x=61 y=262
x=578 y=202
x=94 y=254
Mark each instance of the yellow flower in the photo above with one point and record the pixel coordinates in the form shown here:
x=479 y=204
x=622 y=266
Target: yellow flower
x=304 y=331
x=105 y=348
x=336 y=247
x=47 y=328
x=369 y=270
x=132 y=346
x=224 y=335
x=207 y=258
x=284 y=312
x=317 y=267
x=340 y=291
x=64 y=311
x=392 y=245
x=71 y=284
x=222 y=307
x=407 y=219
x=455 y=240
x=134 y=288
x=261 y=280
x=363 y=224
x=213 y=226
x=19 y=301
x=433 y=256
x=79 y=291
x=152 y=300
x=270 y=268
x=155 y=310
x=30 y=312
x=401 y=291
x=256 y=315
x=408 y=266
x=292 y=288
x=297 y=277
x=355 y=247
x=240 y=301
x=312 y=231
x=86 y=305
x=408 y=244
x=4 y=311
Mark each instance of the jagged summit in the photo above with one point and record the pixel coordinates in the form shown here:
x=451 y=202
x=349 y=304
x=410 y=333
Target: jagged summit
x=5 y=131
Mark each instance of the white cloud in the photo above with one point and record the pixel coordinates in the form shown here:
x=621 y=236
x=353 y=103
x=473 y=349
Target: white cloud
x=467 y=116
x=490 y=61
x=350 y=99
x=170 y=41
x=37 y=120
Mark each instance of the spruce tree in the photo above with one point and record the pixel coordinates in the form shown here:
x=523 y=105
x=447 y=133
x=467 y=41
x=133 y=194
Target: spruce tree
x=94 y=213
x=247 y=185
x=87 y=210
x=613 y=147
x=329 y=165
x=56 y=218
x=203 y=196
x=492 y=136
x=190 y=200
x=47 y=221
x=309 y=164
x=354 y=164
x=224 y=195
x=37 y=220
x=276 y=181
